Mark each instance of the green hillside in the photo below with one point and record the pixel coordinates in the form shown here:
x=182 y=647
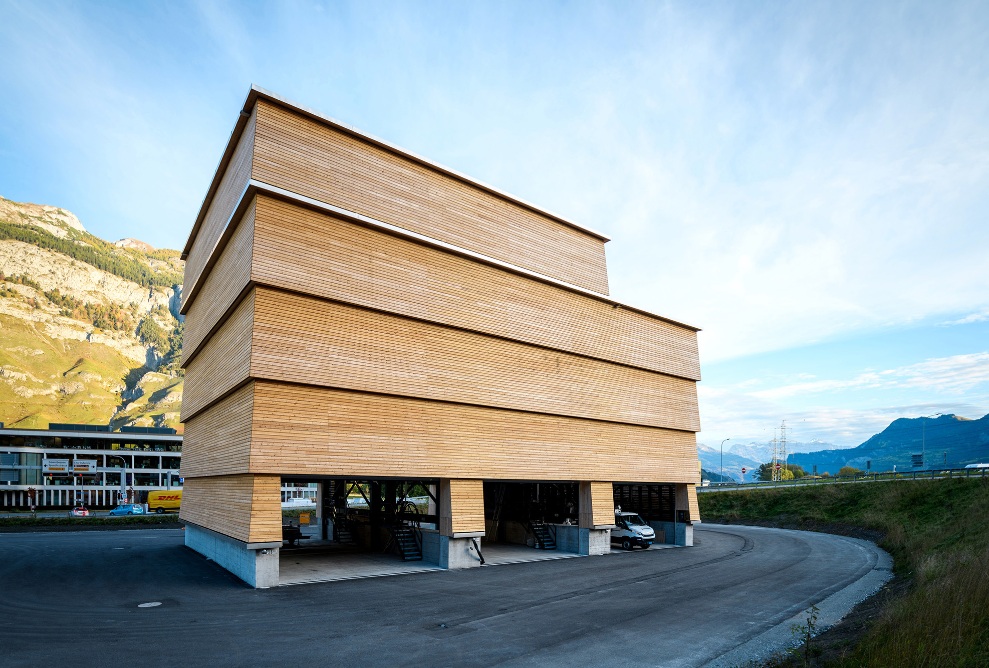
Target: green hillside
x=85 y=346
x=937 y=533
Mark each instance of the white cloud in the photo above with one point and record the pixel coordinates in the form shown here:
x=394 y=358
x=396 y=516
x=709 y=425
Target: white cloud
x=775 y=176
x=847 y=411
x=956 y=374
x=972 y=318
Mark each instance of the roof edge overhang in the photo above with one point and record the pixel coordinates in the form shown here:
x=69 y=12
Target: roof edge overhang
x=256 y=93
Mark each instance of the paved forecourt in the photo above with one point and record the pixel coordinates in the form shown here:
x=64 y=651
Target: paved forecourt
x=74 y=599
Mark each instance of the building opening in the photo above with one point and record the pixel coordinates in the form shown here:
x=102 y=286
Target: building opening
x=533 y=514
x=341 y=528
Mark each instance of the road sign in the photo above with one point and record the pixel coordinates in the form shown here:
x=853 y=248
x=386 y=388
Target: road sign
x=84 y=466
x=779 y=466
x=744 y=470
x=55 y=465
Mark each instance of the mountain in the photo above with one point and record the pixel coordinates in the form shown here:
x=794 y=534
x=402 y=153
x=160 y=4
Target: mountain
x=948 y=441
x=763 y=452
x=715 y=477
x=733 y=463
x=90 y=329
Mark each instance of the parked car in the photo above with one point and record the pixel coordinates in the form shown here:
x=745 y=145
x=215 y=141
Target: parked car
x=128 y=509
x=632 y=530
x=79 y=511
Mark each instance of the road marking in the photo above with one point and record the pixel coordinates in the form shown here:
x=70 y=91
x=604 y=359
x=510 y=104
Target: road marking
x=152 y=604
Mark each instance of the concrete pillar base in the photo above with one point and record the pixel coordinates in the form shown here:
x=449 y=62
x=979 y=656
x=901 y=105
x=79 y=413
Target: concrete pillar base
x=595 y=541
x=684 y=533
x=254 y=563
x=578 y=540
x=458 y=552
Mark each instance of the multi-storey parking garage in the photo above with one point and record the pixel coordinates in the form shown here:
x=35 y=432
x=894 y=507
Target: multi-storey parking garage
x=438 y=351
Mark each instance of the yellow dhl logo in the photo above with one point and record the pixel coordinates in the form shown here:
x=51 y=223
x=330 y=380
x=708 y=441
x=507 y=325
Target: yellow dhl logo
x=168 y=498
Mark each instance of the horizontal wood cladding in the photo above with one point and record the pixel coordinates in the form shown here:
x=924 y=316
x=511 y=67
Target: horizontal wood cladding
x=244 y=507
x=218 y=441
x=224 y=202
x=318 y=254
x=223 y=362
x=602 y=503
x=597 y=504
x=306 y=340
x=694 y=511
x=461 y=506
x=302 y=430
x=304 y=156
x=221 y=286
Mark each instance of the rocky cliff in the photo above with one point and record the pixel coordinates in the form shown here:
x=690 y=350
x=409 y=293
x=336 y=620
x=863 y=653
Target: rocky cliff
x=89 y=330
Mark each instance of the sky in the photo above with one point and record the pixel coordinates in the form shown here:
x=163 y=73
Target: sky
x=804 y=181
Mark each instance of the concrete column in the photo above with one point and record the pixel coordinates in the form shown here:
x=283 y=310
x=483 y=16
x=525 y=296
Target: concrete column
x=433 y=508
x=461 y=522
x=375 y=514
x=597 y=517
x=683 y=526
x=320 y=511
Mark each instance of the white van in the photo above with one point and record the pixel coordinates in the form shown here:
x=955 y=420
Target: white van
x=631 y=530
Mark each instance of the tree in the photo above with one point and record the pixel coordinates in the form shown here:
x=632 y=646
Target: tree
x=151 y=334
x=787 y=472
x=848 y=471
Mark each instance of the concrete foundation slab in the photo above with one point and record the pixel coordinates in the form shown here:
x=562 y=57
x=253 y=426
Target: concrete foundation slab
x=499 y=554
x=257 y=566
x=333 y=562
x=300 y=567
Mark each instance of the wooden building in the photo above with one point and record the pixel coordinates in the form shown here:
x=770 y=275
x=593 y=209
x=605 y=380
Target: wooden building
x=355 y=312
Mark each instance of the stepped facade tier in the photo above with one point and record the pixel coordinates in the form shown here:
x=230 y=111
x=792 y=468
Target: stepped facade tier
x=360 y=317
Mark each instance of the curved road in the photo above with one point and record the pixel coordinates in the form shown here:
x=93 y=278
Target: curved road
x=72 y=599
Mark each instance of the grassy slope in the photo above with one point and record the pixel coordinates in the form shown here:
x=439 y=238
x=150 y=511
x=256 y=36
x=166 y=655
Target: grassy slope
x=158 y=399
x=939 y=538
x=63 y=362
x=96 y=367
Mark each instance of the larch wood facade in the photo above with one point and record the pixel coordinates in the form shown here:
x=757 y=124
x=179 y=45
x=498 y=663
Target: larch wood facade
x=355 y=310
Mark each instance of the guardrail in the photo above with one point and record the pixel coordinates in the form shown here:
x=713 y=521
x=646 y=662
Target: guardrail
x=933 y=474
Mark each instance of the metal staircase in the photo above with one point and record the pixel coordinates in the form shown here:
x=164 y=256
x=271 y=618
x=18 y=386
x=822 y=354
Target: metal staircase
x=544 y=539
x=341 y=532
x=406 y=541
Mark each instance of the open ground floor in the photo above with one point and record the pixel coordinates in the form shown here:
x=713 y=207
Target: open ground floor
x=355 y=527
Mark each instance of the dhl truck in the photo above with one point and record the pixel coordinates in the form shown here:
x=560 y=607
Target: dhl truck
x=165 y=501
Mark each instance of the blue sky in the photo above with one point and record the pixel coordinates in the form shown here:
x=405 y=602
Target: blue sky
x=806 y=181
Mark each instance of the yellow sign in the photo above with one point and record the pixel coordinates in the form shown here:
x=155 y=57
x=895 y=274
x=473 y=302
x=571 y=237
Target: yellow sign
x=303 y=518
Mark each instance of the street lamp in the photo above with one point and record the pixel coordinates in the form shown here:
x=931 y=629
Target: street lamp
x=722 y=481
x=923 y=437
x=123 y=475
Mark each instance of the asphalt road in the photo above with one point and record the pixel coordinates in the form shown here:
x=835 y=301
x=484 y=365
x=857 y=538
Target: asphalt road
x=73 y=599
